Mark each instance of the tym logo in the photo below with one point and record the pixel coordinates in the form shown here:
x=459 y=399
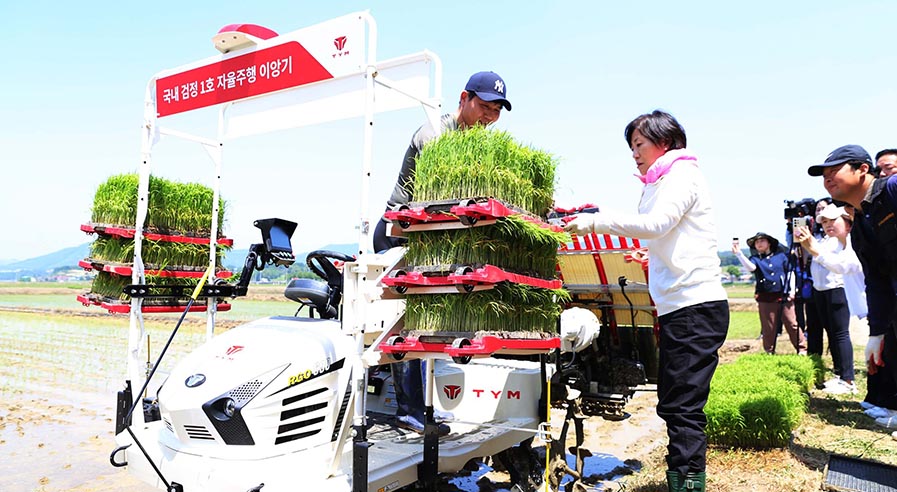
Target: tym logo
x=451 y=391
x=511 y=394
x=340 y=44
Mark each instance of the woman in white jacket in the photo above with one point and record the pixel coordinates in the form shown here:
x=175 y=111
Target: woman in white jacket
x=675 y=217
x=833 y=259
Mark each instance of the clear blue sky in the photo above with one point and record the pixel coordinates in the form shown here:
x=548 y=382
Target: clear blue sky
x=763 y=90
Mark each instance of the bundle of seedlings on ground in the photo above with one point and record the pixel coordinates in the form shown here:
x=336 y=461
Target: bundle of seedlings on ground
x=110 y=288
x=512 y=243
x=758 y=401
x=485 y=163
x=157 y=255
x=506 y=308
x=174 y=208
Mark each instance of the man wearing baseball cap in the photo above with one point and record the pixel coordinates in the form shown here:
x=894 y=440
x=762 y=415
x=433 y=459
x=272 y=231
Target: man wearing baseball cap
x=480 y=103
x=849 y=177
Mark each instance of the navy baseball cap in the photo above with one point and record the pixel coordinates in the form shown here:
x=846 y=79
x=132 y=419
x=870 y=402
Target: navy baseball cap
x=846 y=153
x=488 y=86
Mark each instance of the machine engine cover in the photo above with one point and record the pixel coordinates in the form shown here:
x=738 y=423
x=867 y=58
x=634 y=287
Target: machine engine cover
x=273 y=386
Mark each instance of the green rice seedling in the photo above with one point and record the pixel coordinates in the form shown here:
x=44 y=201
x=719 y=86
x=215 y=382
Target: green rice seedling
x=759 y=402
x=506 y=308
x=156 y=254
x=110 y=286
x=797 y=369
x=173 y=208
x=512 y=243
x=485 y=163
x=108 y=249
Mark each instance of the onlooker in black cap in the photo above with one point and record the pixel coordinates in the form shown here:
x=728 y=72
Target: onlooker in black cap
x=849 y=177
x=774 y=290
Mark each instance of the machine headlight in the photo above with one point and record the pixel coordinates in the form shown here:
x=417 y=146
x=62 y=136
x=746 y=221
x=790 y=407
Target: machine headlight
x=223 y=409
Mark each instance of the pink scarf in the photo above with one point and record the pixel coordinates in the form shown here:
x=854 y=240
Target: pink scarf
x=663 y=164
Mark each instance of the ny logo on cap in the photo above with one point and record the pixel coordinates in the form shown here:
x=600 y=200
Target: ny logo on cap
x=500 y=86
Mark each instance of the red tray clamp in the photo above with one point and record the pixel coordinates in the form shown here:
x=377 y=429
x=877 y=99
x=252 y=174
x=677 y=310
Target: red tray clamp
x=87 y=300
x=470 y=211
x=127 y=233
x=462 y=349
x=124 y=308
x=127 y=271
x=488 y=274
x=465 y=279
x=405 y=217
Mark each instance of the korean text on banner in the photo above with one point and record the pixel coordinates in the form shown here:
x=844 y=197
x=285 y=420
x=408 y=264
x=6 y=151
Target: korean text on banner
x=260 y=72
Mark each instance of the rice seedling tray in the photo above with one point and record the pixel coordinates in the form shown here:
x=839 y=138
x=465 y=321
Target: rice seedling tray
x=462 y=346
x=128 y=233
x=464 y=279
x=456 y=214
x=127 y=270
x=124 y=307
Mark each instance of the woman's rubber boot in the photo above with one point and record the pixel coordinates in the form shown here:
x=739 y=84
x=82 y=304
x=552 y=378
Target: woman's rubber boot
x=694 y=482
x=674 y=481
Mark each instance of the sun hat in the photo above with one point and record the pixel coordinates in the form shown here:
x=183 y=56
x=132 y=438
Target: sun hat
x=845 y=153
x=489 y=86
x=773 y=242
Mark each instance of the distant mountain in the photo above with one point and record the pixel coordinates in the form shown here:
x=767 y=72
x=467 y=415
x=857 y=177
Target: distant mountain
x=39 y=266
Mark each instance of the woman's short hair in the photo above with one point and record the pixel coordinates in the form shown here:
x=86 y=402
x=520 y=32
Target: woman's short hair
x=659 y=127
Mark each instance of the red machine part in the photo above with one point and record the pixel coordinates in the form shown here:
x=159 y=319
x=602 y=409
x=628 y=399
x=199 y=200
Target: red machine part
x=462 y=349
x=465 y=279
x=126 y=233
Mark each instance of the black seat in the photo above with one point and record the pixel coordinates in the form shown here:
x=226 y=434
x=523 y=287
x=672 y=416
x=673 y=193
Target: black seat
x=312 y=293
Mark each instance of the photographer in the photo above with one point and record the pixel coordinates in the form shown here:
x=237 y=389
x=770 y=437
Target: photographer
x=770 y=266
x=833 y=258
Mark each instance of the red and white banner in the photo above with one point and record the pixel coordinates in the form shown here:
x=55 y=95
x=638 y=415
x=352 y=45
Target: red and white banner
x=321 y=52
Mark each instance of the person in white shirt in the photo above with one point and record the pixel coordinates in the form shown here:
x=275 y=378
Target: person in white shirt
x=832 y=259
x=675 y=217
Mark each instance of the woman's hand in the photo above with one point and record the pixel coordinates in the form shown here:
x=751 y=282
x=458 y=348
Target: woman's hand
x=735 y=248
x=805 y=238
x=581 y=224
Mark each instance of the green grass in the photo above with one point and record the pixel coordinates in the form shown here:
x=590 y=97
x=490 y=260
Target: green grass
x=83 y=285
x=740 y=291
x=743 y=325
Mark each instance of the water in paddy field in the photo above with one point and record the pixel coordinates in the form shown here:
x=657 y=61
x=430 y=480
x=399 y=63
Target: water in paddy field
x=58 y=379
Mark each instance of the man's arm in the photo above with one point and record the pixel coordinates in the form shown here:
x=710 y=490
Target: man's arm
x=879 y=297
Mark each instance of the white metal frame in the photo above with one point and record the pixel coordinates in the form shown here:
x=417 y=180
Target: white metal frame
x=374 y=75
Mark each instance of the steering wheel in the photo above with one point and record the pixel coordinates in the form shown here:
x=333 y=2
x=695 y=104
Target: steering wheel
x=320 y=262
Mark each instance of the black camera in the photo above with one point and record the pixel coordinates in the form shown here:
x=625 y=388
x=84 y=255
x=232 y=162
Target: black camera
x=801 y=208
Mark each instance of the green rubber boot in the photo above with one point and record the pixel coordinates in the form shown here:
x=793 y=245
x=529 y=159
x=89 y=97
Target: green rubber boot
x=694 y=482
x=674 y=481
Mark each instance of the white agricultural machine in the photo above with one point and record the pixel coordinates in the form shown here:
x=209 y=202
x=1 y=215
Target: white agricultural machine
x=298 y=403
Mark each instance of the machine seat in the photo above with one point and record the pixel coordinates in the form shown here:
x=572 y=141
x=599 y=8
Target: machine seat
x=312 y=293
